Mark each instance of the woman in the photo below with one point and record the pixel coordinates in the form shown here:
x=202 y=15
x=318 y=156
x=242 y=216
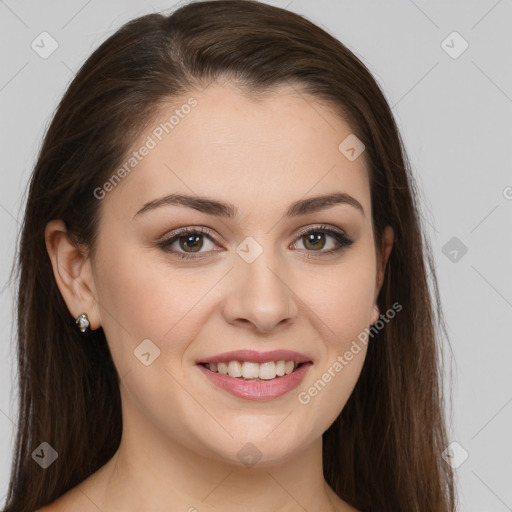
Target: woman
x=223 y=298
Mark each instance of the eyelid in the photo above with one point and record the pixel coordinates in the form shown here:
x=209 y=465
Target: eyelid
x=188 y=229
x=321 y=228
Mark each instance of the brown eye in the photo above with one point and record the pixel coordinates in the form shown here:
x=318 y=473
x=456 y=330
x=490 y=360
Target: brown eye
x=187 y=242
x=193 y=242
x=324 y=240
x=314 y=240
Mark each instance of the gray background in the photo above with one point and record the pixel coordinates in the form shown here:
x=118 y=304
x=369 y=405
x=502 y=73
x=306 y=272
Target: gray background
x=454 y=115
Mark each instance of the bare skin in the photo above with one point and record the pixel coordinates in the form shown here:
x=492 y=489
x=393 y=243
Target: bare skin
x=181 y=433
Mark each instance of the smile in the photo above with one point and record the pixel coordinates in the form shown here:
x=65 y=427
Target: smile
x=255 y=381
x=249 y=370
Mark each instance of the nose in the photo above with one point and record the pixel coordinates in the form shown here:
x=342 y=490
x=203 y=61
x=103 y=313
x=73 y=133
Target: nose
x=260 y=295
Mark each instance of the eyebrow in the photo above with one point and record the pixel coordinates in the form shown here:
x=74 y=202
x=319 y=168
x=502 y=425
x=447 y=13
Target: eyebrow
x=228 y=210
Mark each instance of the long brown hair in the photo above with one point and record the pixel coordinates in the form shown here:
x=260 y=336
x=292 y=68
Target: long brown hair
x=383 y=452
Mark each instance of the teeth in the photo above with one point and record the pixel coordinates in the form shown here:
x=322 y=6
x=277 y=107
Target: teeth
x=249 y=370
x=234 y=369
x=267 y=371
x=288 y=367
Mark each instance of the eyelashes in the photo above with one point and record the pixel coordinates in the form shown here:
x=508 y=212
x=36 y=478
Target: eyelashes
x=193 y=238
x=190 y=237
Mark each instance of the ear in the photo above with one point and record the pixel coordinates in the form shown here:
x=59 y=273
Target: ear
x=73 y=273
x=388 y=237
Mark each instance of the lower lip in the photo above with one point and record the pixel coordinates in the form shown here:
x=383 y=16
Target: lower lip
x=257 y=390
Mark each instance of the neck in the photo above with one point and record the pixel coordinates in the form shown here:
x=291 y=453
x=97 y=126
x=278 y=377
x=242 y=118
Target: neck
x=150 y=471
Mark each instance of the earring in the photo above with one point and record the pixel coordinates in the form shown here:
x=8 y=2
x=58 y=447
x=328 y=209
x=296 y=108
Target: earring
x=83 y=322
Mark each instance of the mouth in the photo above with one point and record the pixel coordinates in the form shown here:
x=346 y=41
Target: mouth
x=253 y=372
x=255 y=375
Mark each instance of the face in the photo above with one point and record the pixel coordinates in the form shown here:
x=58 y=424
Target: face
x=179 y=283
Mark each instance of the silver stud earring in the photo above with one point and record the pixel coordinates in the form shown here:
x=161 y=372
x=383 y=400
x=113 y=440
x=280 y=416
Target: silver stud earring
x=83 y=322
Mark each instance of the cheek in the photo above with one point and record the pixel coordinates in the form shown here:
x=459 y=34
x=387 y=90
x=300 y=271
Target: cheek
x=343 y=305
x=156 y=312
x=343 y=298
x=141 y=298
x=351 y=300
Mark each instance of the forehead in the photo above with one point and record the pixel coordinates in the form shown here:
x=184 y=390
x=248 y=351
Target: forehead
x=222 y=144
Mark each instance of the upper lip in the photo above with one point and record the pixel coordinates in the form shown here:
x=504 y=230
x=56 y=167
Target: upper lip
x=256 y=357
